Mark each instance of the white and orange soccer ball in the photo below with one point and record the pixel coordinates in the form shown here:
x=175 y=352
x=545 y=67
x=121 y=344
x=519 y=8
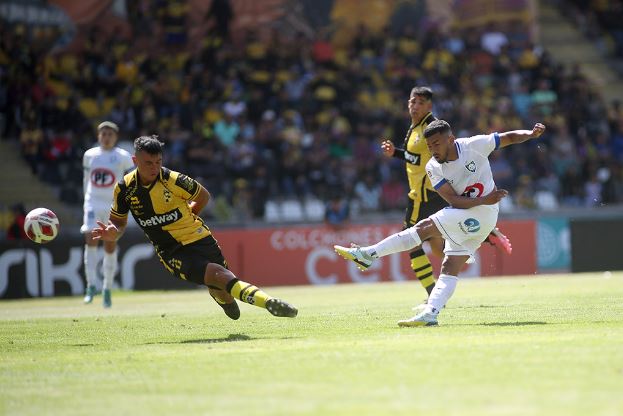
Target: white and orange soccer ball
x=41 y=225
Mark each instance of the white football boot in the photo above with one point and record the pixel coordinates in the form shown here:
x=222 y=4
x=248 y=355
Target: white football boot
x=355 y=254
x=424 y=318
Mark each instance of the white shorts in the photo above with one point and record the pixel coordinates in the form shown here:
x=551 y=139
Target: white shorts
x=93 y=213
x=465 y=229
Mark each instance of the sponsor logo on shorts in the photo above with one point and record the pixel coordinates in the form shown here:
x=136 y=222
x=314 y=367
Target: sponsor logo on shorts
x=470 y=225
x=161 y=219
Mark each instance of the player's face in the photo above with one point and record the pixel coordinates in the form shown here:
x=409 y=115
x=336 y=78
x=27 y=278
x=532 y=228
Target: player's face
x=148 y=166
x=107 y=138
x=438 y=146
x=418 y=107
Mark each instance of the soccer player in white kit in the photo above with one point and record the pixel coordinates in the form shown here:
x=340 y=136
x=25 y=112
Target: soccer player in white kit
x=104 y=166
x=460 y=172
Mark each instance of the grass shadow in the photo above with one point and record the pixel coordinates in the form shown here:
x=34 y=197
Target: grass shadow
x=527 y=323
x=81 y=345
x=230 y=338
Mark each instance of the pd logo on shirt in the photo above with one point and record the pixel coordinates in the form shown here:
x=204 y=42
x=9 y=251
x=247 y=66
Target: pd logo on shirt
x=102 y=178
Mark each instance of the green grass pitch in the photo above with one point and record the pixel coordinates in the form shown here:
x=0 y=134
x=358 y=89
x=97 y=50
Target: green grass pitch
x=513 y=346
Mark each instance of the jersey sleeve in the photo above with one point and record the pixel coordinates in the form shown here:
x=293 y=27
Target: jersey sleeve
x=484 y=143
x=435 y=175
x=119 y=206
x=183 y=186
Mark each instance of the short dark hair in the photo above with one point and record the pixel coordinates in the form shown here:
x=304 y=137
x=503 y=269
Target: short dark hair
x=149 y=144
x=425 y=92
x=437 y=126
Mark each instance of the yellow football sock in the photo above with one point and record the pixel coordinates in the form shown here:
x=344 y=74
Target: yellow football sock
x=423 y=270
x=247 y=293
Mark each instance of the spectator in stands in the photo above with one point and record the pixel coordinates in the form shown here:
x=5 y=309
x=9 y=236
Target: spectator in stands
x=368 y=192
x=15 y=230
x=337 y=211
x=31 y=140
x=302 y=111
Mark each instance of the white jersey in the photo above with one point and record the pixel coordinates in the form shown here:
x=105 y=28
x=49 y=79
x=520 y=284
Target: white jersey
x=102 y=170
x=469 y=175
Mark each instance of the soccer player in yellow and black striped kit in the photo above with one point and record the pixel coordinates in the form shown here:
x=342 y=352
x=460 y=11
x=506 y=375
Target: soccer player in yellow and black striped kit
x=166 y=205
x=423 y=200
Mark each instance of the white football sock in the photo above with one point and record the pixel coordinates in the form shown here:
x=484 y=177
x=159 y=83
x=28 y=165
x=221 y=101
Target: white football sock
x=90 y=264
x=444 y=288
x=395 y=243
x=109 y=267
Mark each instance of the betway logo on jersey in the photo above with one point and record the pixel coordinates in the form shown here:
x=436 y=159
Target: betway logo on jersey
x=161 y=219
x=413 y=158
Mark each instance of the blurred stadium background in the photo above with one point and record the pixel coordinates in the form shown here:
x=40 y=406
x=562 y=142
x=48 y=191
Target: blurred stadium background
x=278 y=108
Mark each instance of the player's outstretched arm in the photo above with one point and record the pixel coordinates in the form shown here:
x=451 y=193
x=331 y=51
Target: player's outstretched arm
x=464 y=202
x=111 y=231
x=520 y=136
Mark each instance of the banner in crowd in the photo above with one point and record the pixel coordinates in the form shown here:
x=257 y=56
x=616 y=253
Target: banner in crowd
x=267 y=257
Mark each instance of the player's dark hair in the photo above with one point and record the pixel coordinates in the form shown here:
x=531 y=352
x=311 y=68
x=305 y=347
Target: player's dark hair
x=425 y=92
x=148 y=144
x=437 y=126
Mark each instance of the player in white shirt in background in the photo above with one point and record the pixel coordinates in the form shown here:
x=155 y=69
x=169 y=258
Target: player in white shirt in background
x=104 y=166
x=460 y=172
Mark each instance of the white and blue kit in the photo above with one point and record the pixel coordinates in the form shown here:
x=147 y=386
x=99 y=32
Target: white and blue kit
x=102 y=170
x=469 y=175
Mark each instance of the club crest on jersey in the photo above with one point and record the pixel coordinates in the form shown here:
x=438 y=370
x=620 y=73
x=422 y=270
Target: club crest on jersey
x=471 y=166
x=470 y=225
x=167 y=195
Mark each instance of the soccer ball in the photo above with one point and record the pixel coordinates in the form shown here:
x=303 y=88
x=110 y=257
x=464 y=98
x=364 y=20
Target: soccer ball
x=41 y=225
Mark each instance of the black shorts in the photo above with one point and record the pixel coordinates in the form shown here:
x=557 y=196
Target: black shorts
x=189 y=262
x=419 y=210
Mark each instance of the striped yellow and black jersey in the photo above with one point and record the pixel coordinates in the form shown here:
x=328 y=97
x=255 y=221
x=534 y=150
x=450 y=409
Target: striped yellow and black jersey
x=416 y=155
x=161 y=209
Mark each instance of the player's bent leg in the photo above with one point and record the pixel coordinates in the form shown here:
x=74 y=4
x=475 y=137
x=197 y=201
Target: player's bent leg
x=217 y=275
x=498 y=239
x=225 y=301
x=436 y=246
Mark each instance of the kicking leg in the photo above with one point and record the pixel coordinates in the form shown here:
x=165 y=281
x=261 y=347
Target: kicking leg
x=395 y=243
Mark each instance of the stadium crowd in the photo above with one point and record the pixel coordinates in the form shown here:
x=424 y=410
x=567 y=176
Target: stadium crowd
x=289 y=117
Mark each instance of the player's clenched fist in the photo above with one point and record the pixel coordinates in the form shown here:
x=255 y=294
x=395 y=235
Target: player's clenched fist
x=388 y=148
x=537 y=130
